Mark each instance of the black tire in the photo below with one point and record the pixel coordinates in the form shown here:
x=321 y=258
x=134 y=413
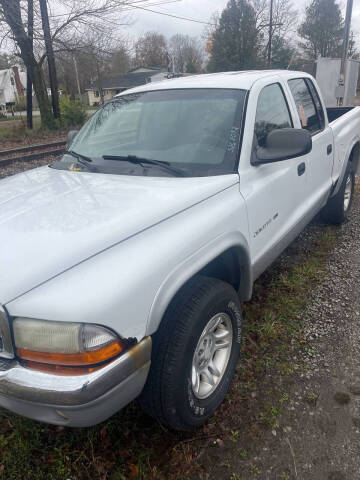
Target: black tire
x=168 y=394
x=334 y=211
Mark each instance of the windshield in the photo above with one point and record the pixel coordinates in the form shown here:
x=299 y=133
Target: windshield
x=192 y=132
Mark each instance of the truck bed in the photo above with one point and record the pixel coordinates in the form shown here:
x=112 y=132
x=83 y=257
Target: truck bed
x=336 y=112
x=345 y=125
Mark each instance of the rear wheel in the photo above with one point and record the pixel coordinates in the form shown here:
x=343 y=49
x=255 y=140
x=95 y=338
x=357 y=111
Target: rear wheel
x=338 y=207
x=195 y=353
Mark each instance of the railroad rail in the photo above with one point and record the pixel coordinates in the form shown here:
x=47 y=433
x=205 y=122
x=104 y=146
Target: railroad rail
x=31 y=152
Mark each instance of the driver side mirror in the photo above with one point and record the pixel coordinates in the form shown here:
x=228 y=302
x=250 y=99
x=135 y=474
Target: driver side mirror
x=283 y=144
x=70 y=138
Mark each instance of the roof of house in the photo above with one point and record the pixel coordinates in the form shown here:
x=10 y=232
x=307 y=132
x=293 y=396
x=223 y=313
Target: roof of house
x=141 y=67
x=121 y=81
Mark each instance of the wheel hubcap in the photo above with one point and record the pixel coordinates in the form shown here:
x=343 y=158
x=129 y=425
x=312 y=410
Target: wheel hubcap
x=212 y=355
x=347 y=193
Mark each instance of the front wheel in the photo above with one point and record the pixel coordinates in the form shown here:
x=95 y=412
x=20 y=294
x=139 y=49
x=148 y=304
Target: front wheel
x=338 y=206
x=195 y=353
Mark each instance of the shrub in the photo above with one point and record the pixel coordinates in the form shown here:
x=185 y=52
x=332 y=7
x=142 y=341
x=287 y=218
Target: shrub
x=20 y=104
x=72 y=112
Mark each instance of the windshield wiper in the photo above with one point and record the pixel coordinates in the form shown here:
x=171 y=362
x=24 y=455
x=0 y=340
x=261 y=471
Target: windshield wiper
x=149 y=161
x=83 y=159
x=78 y=155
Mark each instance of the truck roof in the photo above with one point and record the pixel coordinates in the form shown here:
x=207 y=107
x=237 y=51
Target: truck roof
x=242 y=80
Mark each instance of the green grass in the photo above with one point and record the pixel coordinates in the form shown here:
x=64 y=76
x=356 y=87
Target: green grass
x=132 y=446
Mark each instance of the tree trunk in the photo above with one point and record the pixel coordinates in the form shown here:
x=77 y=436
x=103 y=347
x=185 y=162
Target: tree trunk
x=29 y=85
x=50 y=58
x=38 y=79
x=12 y=16
x=99 y=82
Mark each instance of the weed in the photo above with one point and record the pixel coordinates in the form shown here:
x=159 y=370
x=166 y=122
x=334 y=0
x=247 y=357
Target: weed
x=285 y=397
x=285 y=476
x=236 y=476
x=270 y=415
x=243 y=454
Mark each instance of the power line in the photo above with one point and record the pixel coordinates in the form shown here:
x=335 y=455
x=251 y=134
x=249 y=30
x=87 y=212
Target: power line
x=132 y=5
x=173 y=16
x=127 y=6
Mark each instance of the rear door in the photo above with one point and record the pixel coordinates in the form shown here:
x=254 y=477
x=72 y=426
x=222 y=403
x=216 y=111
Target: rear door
x=273 y=192
x=311 y=116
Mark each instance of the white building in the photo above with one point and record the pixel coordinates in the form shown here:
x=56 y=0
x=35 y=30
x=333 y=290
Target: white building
x=12 y=85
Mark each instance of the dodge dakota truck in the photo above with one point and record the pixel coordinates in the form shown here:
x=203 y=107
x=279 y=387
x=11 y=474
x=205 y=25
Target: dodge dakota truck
x=124 y=263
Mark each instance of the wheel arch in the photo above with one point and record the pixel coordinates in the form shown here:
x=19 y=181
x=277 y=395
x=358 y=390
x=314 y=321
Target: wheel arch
x=352 y=156
x=227 y=258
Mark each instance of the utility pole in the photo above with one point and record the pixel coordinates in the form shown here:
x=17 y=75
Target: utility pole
x=270 y=33
x=77 y=77
x=347 y=28
x=30 y=32
x=50 y=58
x=342 y=80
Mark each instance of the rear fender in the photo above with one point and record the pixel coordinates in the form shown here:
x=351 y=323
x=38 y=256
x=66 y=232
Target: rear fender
x=352 y=155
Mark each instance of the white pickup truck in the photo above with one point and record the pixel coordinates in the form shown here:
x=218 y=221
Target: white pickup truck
x=124 y=263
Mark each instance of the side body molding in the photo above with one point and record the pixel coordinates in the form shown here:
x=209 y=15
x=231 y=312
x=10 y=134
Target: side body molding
x=193 y=264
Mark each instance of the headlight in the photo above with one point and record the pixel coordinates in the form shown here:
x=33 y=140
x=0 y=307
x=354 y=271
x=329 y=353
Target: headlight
x=63 y=343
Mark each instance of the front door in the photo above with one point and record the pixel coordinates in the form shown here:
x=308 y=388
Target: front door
x=273 y=192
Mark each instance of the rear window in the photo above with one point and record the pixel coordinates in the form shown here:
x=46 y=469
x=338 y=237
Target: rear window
x=306 y=108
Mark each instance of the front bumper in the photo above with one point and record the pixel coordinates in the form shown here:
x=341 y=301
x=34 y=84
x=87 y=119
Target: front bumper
x=79 y=400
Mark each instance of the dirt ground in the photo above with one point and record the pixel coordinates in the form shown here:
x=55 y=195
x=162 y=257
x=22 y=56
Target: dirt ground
x=317 y=437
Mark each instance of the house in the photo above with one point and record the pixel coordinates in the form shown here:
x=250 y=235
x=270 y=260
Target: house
x=12 y=86
x=60 y=92
x=117 y=83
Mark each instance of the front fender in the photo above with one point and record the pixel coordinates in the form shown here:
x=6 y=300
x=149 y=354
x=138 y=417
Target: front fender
x=193 y=264
x=128 y=286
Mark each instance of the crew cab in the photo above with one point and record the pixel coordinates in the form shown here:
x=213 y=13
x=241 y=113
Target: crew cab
x=123 y=264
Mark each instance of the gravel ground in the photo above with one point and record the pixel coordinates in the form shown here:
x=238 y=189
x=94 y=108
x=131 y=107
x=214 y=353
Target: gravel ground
x=18 y=167
x=35 y=139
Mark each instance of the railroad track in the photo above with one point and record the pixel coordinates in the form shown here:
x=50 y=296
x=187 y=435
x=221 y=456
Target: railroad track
x=31 y=152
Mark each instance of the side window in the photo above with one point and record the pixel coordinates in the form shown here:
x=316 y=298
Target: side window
x=272 y=112
x=305 y=105
x=317 y=101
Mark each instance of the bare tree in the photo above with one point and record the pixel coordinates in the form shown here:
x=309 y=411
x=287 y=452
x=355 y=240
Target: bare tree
x=187 y=53
x=50 y=58
x=29 y=85
x=120 y=59
x=151 y=50
x=80 y=17
x=10 y=12
x=283 y=23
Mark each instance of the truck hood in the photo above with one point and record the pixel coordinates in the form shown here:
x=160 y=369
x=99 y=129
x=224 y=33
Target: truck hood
x=51 y=220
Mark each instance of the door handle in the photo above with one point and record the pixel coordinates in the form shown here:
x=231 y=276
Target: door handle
x=329 y=149
x=301 y=169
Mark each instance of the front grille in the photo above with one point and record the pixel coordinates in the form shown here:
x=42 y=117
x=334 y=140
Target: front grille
x=6 y=345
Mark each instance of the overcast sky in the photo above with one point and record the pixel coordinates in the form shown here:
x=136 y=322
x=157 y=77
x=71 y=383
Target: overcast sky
x=202 y=10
